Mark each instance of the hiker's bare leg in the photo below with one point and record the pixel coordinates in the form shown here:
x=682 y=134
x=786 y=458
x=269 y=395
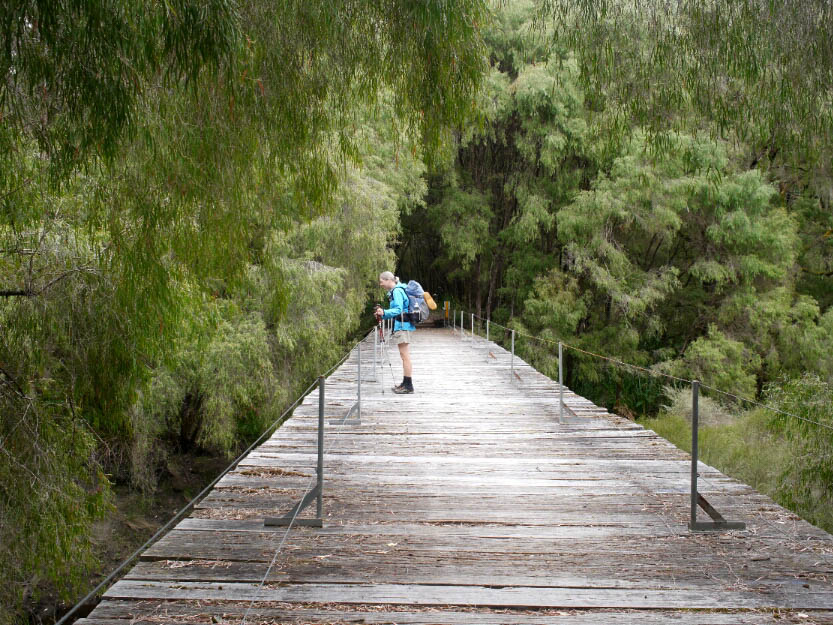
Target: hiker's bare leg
x=405 y=352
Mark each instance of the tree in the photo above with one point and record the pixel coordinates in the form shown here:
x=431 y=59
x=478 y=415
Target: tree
x=756 y=74
x=494 y=210
x=154 y=158
x=601 y=202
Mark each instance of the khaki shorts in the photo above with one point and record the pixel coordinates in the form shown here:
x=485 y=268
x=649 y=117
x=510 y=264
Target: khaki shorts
x=399 y=337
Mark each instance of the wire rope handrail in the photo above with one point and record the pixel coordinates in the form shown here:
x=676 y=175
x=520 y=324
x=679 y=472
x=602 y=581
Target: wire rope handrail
x=309 y=483
x=655 y=373
x=188 y=506
x=697 y=500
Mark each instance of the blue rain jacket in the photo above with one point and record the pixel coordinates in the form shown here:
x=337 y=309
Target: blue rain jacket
x=398 y=304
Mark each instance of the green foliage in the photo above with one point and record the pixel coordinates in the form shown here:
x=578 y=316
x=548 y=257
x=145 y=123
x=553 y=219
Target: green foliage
x=48 y=91
x=755 y=73
x=492 y=215
x=465 y=218
x=221 y=385
x=189 y=233
x=725 y=363
x=558 y=306
x=816 y=256
x=806 y=482
x=49 y=496
x=757 y=70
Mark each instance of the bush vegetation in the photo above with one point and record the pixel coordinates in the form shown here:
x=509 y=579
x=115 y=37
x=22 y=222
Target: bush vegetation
x=776 y=452
x=196 y=198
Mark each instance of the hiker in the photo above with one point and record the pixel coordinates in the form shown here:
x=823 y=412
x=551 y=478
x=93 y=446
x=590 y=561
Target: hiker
x=402 y=328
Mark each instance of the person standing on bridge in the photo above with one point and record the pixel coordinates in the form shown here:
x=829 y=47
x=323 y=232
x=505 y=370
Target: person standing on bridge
x=402 y=328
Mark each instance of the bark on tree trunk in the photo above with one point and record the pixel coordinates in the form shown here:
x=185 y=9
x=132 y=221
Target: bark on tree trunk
x=492 y=279
x=479 y=295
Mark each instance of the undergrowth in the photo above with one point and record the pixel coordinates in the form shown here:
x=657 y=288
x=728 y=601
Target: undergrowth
x=781 y=456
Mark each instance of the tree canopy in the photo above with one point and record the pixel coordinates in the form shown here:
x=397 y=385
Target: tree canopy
x=187 y=189
x=604 y=202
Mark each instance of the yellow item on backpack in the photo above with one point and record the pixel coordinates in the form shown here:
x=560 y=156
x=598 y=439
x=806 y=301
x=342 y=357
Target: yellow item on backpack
x=429 y=300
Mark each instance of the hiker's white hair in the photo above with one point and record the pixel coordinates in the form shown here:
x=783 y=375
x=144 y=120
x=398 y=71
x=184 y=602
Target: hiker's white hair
x=387 y=275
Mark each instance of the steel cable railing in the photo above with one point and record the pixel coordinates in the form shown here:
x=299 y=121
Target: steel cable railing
x=189 y=506
x=655 y=373
x=298 y=508
x=696 y=498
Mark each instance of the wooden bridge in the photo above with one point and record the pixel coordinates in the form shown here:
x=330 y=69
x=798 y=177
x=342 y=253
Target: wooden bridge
x=468 y=503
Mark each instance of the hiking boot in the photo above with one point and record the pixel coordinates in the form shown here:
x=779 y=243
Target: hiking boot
x=402 y=389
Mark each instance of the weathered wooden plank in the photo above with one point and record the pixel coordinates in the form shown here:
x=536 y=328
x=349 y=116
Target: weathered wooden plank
x=489 y=570
x=552 y=531
x=430 y=595
x=659 y=540
x=441 y=462
x=115 y=612
x=474 y=483
x=329 y=568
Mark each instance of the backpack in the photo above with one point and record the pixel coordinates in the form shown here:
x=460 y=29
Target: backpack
x=418 y=309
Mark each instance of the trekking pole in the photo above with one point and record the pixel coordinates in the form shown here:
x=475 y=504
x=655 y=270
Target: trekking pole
x=375 y=348
x=383 y=350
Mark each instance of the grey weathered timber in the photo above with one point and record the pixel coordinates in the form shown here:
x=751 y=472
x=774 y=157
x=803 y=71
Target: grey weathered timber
x=475 y=501
x=153 y=612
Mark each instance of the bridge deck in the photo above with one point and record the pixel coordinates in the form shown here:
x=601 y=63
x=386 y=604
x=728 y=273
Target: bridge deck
x=467 y=503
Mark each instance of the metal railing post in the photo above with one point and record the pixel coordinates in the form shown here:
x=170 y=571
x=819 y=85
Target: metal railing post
x=695 y=418
x=461 y=324
x=512 y=373
x=560 y=385
x=472 y=329
x=717 y=522
x=454 y=320
x=319 y=504
x=487 y=330
x=359 y=389
x=375 y=348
